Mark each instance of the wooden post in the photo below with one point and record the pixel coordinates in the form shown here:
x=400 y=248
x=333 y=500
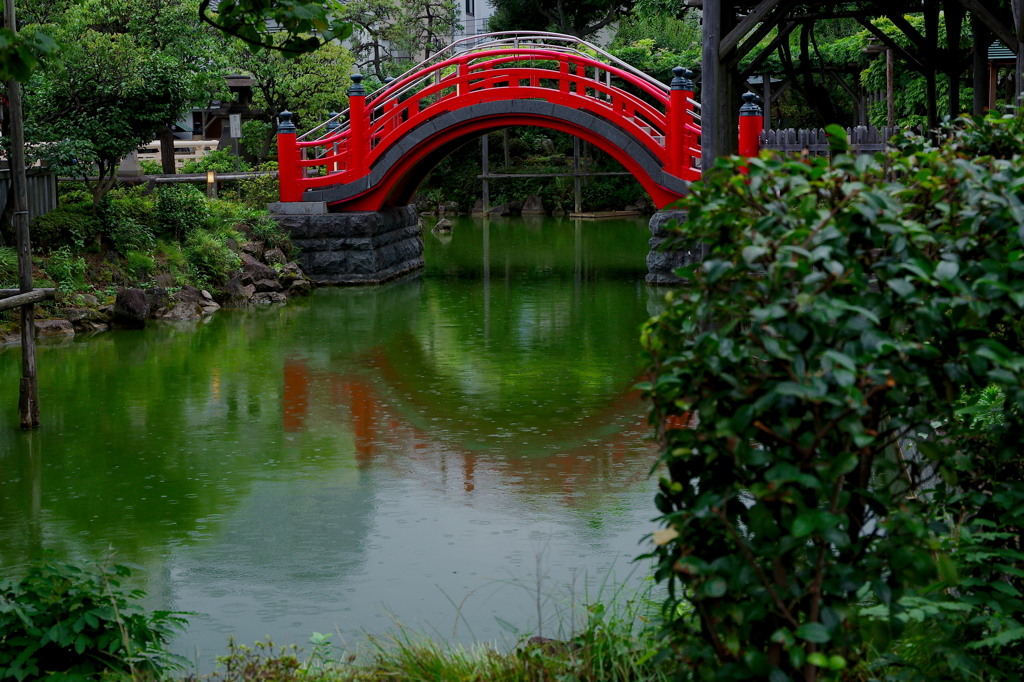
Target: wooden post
x=750 y=127
x=931 y=34
x=287 y=159
x=890 y=90
x=1018 y=29
x=676 y=137
x=577 y=190
x=766 y=85
x=485 y=166
x=718 y=93
x=953 y=13
x=357 y=132
x=982 y=39
x=504 y=135
x=28 y=398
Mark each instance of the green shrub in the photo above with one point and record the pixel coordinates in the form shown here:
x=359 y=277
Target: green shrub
x=74 y=196
x=151 y=167
x=72 y=225
x=60 y=622
x=65 y=268
x=219 y=160
x=209 y=259
x=181 y=209
x=840 y=311
x=261 y=190
x=140 y=265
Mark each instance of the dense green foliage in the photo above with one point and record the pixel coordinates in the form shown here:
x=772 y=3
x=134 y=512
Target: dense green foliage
x=825 y=496
x=580 y=19
x=304 y=26
x=61 y=622
x=180 y=209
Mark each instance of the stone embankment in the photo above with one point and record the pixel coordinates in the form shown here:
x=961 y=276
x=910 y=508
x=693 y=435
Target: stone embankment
x=265 y=278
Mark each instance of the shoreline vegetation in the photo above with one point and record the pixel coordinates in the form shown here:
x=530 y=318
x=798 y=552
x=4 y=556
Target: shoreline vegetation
x=81 y=621
x=172 y=255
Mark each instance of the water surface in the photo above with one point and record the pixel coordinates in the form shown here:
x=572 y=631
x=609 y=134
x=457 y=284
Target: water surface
x=439 y=450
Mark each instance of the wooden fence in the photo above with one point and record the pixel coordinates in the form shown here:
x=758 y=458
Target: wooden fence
x=863 y=140
x=42 y=191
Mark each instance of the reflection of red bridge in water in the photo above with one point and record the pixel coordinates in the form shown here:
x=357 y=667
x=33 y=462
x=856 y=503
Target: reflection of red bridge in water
x=381 y=434
x=392 y=138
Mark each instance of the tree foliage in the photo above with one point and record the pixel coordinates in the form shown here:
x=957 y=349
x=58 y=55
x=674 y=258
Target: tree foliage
x=388 y=35
x=310 y=86
x=805 y=393
x=580 y=19
x=128 y=67
x=303 y=26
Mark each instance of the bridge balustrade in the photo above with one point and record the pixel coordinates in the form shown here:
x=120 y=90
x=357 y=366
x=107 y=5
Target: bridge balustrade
x=518 y=66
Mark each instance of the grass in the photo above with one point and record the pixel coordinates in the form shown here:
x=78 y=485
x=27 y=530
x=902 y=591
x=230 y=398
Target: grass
x=612 y=642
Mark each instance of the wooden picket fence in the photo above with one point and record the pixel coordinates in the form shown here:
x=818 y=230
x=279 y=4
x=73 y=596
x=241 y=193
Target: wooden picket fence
x=863 y=140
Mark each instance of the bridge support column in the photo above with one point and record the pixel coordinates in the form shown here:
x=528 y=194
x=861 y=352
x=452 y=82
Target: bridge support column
x=667 y=253
x=355 y=247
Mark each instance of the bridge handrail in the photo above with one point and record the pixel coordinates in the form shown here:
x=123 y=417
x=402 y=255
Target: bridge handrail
x=503 y=37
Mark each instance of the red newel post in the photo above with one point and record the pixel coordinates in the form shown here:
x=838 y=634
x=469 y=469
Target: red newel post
x=679 y=117
x=357 y=126
x=751 y=124
x=288 y=169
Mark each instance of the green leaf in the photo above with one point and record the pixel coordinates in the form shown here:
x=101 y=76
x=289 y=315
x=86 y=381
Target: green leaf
x=805 y=524
x=813 y=632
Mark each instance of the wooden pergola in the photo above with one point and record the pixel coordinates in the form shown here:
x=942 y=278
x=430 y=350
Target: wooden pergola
x=733 y=29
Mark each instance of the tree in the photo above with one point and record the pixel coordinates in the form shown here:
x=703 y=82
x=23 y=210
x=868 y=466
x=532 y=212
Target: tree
x=310 y=85
x=581 y=19
x=303 y=26
x=113 y=91
x=387 y=33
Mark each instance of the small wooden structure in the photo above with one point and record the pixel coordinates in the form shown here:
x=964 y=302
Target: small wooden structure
x=734 y=29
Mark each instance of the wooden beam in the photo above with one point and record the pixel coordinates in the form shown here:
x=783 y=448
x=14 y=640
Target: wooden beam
x=892 y=44
x=756 y=16
x=23 y=299
x=782 y=35
x=758 y=35
x=1001 y=31
x=7 y=293
x=908 y=30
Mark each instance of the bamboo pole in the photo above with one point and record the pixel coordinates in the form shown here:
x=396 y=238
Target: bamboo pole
x=28 y=400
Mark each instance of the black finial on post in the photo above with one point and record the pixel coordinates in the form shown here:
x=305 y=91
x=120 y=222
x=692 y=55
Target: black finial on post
x=284 y=123
x=332 y=121
x=356 y=89
x=750 y=107
x=682 y=79
x=388 y=80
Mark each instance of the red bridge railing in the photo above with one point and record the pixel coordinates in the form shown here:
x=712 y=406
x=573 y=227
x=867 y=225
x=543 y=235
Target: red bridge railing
x=530 y=66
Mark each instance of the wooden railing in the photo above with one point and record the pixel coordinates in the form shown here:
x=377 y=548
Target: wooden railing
x=863 y=140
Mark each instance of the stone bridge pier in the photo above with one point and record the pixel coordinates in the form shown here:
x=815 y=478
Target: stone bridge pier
x=667 y=252
x=352 y=247
x=371 y=247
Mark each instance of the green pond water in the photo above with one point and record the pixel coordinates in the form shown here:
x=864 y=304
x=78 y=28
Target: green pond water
x=429 y=451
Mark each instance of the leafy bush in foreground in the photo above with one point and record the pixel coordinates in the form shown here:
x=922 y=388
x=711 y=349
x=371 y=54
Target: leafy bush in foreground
x=825 y=494
x=59 y=622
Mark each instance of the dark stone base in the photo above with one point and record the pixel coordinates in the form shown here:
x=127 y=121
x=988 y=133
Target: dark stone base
x=364 y=247
x=662 y=262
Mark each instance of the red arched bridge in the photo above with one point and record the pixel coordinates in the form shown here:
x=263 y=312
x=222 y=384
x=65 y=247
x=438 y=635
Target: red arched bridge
x=375 y=154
